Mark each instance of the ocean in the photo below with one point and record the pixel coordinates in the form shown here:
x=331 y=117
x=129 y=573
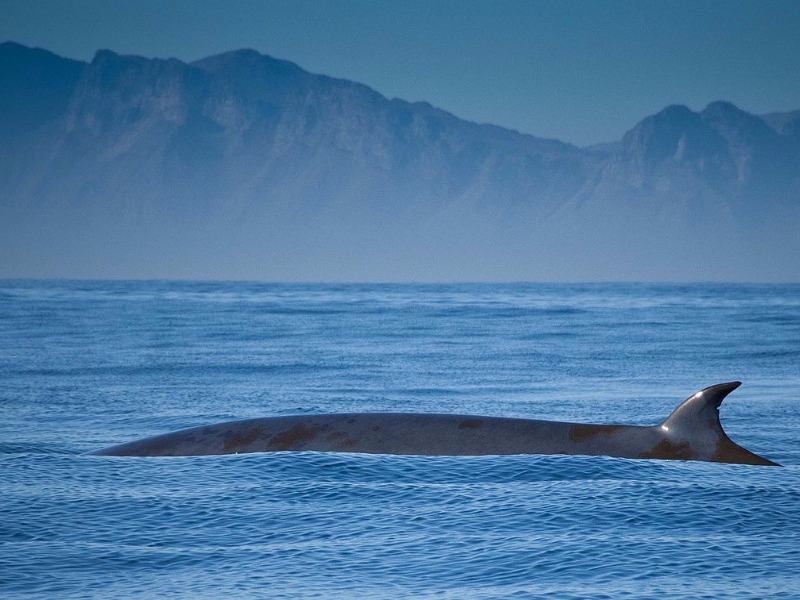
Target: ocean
x=84 y=365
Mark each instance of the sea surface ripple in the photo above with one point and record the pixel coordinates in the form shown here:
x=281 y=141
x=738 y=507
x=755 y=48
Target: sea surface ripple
x=88 y=364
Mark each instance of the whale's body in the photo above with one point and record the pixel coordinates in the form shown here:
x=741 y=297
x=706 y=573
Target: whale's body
x=692 y=432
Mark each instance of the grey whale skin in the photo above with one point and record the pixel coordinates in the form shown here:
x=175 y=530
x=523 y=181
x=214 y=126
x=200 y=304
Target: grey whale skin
x=692 y=432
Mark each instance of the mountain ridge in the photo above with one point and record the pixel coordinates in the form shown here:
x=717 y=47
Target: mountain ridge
x=228 y=150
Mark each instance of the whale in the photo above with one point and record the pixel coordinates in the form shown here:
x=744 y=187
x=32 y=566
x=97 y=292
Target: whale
x=691 y=432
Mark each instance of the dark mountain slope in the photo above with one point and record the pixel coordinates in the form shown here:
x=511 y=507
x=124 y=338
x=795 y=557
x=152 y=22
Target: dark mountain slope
x=240 y=165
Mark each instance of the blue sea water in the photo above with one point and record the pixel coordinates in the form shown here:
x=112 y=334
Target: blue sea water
x=88 y=364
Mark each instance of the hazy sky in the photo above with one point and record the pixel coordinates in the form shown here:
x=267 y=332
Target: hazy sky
x=579 y=71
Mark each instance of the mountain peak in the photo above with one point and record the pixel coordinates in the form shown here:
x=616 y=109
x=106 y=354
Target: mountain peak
x=675 y=111
x=243 y=155
x=721 y=107
x=675 y=133
x=246 y=58
x=16 y=57
x=670 y=116
x=736 y=125
x=104 y=54
x=36 y=84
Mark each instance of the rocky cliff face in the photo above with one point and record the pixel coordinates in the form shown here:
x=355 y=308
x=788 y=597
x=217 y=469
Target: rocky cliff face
x=240 y=165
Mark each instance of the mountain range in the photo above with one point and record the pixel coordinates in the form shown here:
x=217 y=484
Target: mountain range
x=242 y=166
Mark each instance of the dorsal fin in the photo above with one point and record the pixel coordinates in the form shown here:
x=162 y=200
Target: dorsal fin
x=701 y=410
x=696 y=420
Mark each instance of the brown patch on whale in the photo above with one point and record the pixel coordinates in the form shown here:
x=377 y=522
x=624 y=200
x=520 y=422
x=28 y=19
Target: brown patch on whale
x=581 y=433
x=293 y=438
x=242 y=438
x=666 y=449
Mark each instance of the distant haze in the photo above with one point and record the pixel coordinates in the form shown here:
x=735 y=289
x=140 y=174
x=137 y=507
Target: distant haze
x=241 y=166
